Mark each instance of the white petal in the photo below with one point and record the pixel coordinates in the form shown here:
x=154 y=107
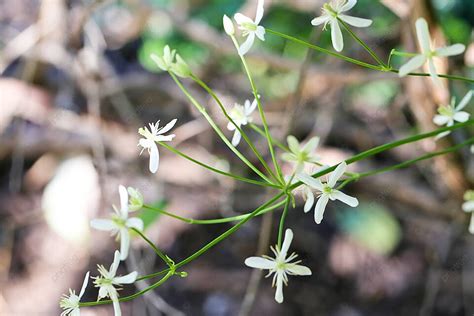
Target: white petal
x=312 y=182
x=259 y=263
x=286 y=242
x=348 y=5
x=320 y=20
x=309 y=201
x=288 y=157
x=260 y=10
x=84 y=284
x=293 y=144
x=135 y=222
x=251 y=108
x=299 y=270
x=116 y=304
x=245 y=47
x=240 y=18
x=320 y=207
x=336 y=36
x=167 y=127
x=440 y=119
x=468 y=206
x=279 y=288
x=354 y=21
x=464 y=101
x=452 y=50
x=471 y=225
x=124 y=243
x=102 y=292
x=115 y=263
x=337 y=174
x=461 y=116
x=432 y=70
x=413 y=64
x=236 y=138
x=230 y=126
x=126 y=279
x=423 y=35
x=103 y=224
x=154 y=158
x=260 y=32
x=311 y=145
x=441 y=135
x=349 y=200
x=228 y=25
x=163 y=138
x=123 y=201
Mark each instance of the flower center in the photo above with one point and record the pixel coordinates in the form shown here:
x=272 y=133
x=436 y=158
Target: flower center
x=249 y=26
x=446 y=110
x=329 y=10
x=327 y=189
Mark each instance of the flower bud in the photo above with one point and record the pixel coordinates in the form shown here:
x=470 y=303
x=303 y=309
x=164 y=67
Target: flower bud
x=228 y=25
x=135 y=201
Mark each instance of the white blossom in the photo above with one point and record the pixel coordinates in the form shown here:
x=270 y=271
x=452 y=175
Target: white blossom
x=151 y=136
x=250 y=28
x=332 y=11
x=468 y=207
x=70 y=303
x=108 y=283
x=135 y=201
x=119 y=223
x=327 y=192
x=300 y=154
x=451 y=113
x=241 y=115
x=165 y=62
x=281 y=266
x=228 y=25
x=428 y=52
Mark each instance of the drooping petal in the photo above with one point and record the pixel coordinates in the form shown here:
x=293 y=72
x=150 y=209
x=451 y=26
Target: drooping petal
x=260 y=32
x=336 y=36
x=84 y=285
x=298 y=270
x=464 y=101
x=433 y=73
x=154 y=158
x=452 y=50
x=135 y=222
x=115 y=264
x=337 y=174
x=103 y=224
x=440 y=119
x=354 y=21
x=461 y=116
x=124 y=243
x=126 y=279
x=116 y=304
x=245 y=47
x=309 y=201
x=260 y=263
x=349 y=200
x=423 y=34
x=348 y=5
x=260 y=10
x=241 y=19
x=167 y=127
x=312 y=182
x=236 y=138
x=471 y=225
x=320 y=208
x=413 y=64
x=123 y=201
x=286 y=242
x=320 y=20
x=279 y=288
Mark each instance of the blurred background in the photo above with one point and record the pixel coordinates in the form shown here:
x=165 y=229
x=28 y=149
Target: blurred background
x=76 y=83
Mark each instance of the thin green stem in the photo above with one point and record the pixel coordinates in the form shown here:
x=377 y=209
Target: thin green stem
x=241 y=131
x=262 y=133
x=282 y=221
x=362 y=43
x=168 y=262
x=217 y=129
x=261 y=112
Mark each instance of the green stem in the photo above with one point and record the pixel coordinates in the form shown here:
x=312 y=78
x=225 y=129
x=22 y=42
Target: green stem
x=217 y=129
x=241 y=131
x=236 y=177
x=282 y=222
x=362 y=43
x=211 y=221
x=157 y=251
x=262 y=133
x=262 y=114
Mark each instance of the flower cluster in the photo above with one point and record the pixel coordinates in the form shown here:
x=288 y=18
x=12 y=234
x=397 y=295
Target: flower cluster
x=448 y=114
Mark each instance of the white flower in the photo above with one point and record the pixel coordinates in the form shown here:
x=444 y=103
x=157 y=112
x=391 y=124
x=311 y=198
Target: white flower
x=153 y=135
x=135 y=201
x=451 y=113
x=250 y=28
x=241 y=115
x=280 y=265
x=332 y=11
x=166 y=61
x=119 y=224
x=301 y=154
x=468 y=207
x=327 y=192
x=108 y=281
x=70 y=303
x=228 y=25
x=428 y=52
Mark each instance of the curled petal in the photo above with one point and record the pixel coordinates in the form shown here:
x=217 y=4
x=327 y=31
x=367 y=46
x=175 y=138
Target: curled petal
x=309 y=201
x=413 y=64
x=336 y=36
x=354 y=21
x=260 y=263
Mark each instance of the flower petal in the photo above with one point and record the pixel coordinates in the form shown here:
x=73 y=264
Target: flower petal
x=464 y=101
x=260 y=32
x=236 y=138
x=461 y=116
x=135 y=222
x=308 y=180
x=279 y=288
x=354 y=21
x=286 y=242
x=348 y=5
x=320 y=207
x=468 y=206
x=336 y=36
x=293 y=144
x=413 y=64
x=103 y=224
x=320 y=20
x=115 y=264
x=123 y=201
x=440 y=119
x=240 y=19
x=154 y=158
x=311 y=145
x=126 y=279
x=298 y=270
x=433 y=74
x=84 y=285
x=349 y=200
x=260 y=263
x=245 y=47
x=116 y=304
x=124 y=243
x=249 y=109
x=309 y=201
x=167 y=127
x=442 y=134
x=260 y=10
x=337 y=173
x=471 y=225
x=452 y=50
x=423 y=34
